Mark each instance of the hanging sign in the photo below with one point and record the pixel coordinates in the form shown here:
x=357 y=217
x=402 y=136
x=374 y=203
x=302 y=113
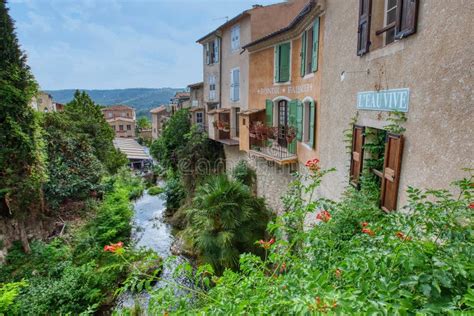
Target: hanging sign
x=384 y=100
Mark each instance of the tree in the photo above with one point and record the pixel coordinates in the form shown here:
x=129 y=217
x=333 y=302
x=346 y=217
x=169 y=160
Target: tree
x=21 y=153
x=143 y=123
x=226 y=220
x=88 y=120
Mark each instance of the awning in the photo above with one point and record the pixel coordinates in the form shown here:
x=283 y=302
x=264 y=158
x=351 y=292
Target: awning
x=252 y=111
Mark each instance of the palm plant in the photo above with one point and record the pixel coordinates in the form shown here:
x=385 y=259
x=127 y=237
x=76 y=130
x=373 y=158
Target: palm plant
x=225 y=221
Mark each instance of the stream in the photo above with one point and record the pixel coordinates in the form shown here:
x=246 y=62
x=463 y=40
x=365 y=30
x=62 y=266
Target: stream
x=151 y=231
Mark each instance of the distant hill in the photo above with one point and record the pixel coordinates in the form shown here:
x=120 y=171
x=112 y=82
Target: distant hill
x=142 y=99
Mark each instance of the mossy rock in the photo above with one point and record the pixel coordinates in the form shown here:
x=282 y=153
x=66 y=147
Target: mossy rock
x=155 y=190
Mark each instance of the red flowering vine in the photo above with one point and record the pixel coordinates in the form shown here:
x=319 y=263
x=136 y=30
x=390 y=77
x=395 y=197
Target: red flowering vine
x=402 y=236
x=471 y=205
x=266 y=244
x=368 y=231
x=313 y=165
x=118 y=247
x=323 y=216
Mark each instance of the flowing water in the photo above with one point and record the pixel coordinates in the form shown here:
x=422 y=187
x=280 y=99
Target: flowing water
x=151 y=231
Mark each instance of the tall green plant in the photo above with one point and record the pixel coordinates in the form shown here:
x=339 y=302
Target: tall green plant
x=21 y=152
x=226 y=220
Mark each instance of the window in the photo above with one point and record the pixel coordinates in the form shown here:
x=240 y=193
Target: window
x=282 y=62
x=120 y=127
x=199 y=118
x=110 y=114
x=129 y=127
x=390 y=16
x=212 y=87
x=282 y=110
x=307 y=127
x=310 y=49
x=212 y=51
x=123 y=114
x=236 y=121
x=235 y=84
x=384 y=166
x=235 y=38
x=400 y=21
x=195 y=103
x=113 y=127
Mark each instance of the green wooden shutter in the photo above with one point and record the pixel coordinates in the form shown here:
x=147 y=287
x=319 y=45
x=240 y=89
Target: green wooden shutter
x=312 y=124
x=276 y=61
x=284 y=64
x=299 y=120
x=303 y=55
x=314 y=62
x=292 y=113
x=269 y=112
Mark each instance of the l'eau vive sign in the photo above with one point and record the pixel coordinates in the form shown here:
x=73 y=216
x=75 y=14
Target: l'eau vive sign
x=384 y=100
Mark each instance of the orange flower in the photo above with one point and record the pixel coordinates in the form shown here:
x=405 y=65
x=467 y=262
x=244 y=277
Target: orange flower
x=266 y=244
x=114 y=247
x=368 y=231
x=402 y=236
x=323 y=216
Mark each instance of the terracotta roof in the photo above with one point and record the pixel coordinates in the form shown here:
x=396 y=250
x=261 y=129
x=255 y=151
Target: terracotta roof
x=182 y=95
x=117 y=108
x=306 y=10
x=120 y=118
x=159 y=109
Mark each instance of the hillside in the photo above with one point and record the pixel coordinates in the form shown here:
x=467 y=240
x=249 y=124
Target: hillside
x=142 y=99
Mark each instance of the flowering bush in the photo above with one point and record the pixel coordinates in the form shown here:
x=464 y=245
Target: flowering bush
x=360 y=261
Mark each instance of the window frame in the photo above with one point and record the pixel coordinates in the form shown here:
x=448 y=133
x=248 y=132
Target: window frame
x=277 y=47
x=235 y=38
x=233 y=85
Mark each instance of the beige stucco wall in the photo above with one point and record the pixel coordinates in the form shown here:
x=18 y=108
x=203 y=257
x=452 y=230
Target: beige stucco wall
x=435 y=64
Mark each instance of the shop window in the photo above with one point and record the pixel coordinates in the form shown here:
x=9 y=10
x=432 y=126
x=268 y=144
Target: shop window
x=392 y=19
x=376 y=158
x=282 y=62
x=310 y=49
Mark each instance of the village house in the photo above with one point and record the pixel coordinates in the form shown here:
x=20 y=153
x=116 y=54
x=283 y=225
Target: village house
x=181 y=100
x=159 y=116
x=279 y=130
x=335 y=86
x=394 y=55
x=122 y=120
x=43 y=102
x=226 y=65
x=197 y=110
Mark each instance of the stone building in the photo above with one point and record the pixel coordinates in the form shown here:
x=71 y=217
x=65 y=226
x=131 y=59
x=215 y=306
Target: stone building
x=380 y=56
x=226 y=65
x=159 y=116
x=341 y=76
x=197 y=110
x=122 y=120
x=43 y=102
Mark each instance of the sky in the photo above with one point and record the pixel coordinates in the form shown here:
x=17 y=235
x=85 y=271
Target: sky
x=116 y=44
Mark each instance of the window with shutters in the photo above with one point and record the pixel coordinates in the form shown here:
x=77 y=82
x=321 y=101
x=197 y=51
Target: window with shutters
x=308 y=124
x=235 y=84
x=282 y=53
x=212 y=87
x=376 y=156
x=212 y=49
x=310 y=49
x=199 y=118
x=391 y=20
x=235 y=38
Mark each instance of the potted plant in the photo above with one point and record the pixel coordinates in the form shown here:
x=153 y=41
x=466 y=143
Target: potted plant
x=220 y=125
x=290 y=134
x=226 y=127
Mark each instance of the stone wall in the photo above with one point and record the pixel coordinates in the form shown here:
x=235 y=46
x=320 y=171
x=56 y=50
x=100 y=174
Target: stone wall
x=272 y=179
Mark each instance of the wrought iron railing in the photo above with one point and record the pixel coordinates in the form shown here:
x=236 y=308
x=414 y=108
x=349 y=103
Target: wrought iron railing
x=274 y=142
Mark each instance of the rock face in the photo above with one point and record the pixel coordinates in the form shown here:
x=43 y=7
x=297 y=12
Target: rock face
x=179 y=248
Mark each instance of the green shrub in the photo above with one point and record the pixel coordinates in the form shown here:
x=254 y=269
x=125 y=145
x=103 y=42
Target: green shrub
x=244 y=173
x=155 y=190
x=225 y=220
x=8 y=297
x=174 y=192
x=357 y=261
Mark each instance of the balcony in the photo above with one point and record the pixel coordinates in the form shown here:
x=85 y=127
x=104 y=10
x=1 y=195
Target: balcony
x=277 y=144
x=220 y=128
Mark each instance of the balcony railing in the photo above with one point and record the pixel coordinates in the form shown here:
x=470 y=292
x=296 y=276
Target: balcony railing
x=273 y=143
